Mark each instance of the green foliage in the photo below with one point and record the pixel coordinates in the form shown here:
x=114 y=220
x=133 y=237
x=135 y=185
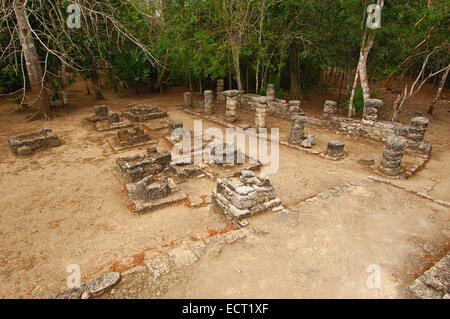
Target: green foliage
x=10 y=79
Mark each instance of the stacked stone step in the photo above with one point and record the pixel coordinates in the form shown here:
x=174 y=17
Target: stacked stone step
x=101 y=110
x=371 y=109
x=329 y=109
x=220 y=89
x=231 y=105
x=270 y=92
x=416 y=135
x=187 y=99
x=392 y=155
x=336 y=149
x=209 y=102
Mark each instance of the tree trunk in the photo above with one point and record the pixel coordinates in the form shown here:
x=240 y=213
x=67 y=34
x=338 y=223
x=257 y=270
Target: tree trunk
x=295 y=83
x=97 y=88
x=63 y=83
x=87 y=86
x=439 y=91
x=352 y=96
x=364 y=54
x=34 y=70
x=237 y=65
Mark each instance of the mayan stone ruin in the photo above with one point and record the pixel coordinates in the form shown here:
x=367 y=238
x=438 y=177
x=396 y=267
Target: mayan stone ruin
x=416 y=135
x=329 y=109
x=209 y=102
x=143 y=113
x=132 y=169
x=135 y=136
x=220 y=88
x=242 y=197
x=188 y=99
x=371 y=107
x=335 y=149
x=27 y=143
x=231 y=105
x=392 y=156
x=105 y=120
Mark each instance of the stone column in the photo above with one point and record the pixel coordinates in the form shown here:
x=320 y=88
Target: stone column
x=220 y=88
x=188 y=99
x=270 y=92
x=209 y=102
x=297 y=129
x=392 y=155
x=294 y=108
x=336 y=149
x=417 y=130
x=370 y=109
x=231 y=105
x=329 y=109
x=261 y=113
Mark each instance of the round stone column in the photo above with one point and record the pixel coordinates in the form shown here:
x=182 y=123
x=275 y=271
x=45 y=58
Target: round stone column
x=371 y=109
x=209 y=102
x=187 y=99
x=270 y=92
x=231 y=105
x=336 y=149
x=329 y=109
x=220 y=88
x=297 y=134
x=392 y=155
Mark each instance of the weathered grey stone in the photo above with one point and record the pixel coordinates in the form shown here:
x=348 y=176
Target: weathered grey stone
x=101 y=110
x=209 y=102
x=366 y=160
x=24 y=150
x=98 y=285
x=270 y=92
x=81 y=292
x=158 y=266
x=183 y=256
x=187 y=99
x=113 y=117
x=336 y=149
x=195 y=200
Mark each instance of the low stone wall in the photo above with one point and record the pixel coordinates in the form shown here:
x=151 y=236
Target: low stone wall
x=25 y=144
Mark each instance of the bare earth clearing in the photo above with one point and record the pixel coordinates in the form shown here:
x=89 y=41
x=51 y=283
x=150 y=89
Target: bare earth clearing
x=64 y=206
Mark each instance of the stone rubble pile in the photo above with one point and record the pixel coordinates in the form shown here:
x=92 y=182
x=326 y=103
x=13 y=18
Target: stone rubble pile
x=135 y=168
x=240 y=198
x=133 y=136
x=143 y=113
x=25 y=144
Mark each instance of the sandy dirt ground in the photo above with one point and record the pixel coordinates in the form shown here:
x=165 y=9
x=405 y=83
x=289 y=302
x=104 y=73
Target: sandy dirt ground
x=64 y=206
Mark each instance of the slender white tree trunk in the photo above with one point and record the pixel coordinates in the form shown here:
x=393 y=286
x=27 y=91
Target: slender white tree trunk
x=34 y=70
x=352 y=96
x=439 y=91
x=64 y=83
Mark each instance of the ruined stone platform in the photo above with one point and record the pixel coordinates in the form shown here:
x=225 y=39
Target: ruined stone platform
x=435 y=282
x=243 y=197
x=130 y=138
x=143 y=113
x=104 y=126
x=152 y=192
x=27 y=143
x=132 y=169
